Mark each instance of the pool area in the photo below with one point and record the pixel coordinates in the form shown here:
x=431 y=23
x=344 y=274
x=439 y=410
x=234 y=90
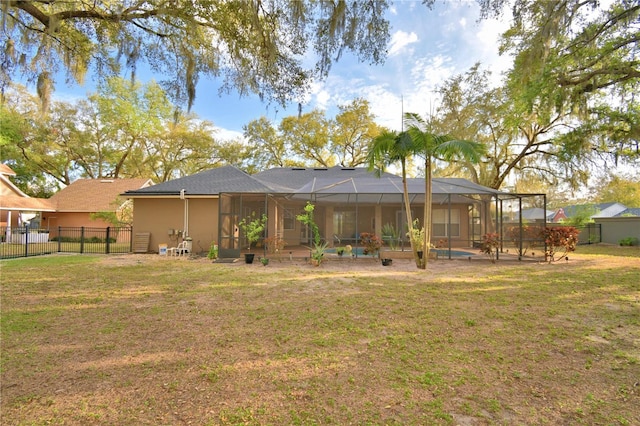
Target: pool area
x=442 y=253
x=358 y=251
x=454 y=253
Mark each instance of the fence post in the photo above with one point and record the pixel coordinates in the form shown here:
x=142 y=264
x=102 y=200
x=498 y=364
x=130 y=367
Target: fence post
x=81 y=239
x=131 y=239
x=59 y=239
x=26 y=241
x=107 y=240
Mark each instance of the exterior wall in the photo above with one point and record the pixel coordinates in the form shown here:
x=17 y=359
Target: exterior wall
x=615 y=229
x=203 y=223
x=159 y=215
x=72 y=219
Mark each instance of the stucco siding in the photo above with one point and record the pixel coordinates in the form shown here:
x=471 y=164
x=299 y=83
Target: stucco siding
x=159 y=215
x=615 y=229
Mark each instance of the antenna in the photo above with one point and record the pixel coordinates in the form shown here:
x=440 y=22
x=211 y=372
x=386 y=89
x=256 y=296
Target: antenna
x=401 y=112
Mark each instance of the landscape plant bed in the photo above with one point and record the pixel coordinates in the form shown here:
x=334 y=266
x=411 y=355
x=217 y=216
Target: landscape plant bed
x=143 y=339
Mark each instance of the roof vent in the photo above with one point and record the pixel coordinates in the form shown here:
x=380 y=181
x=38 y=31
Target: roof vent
x=106 y=181
x=298 y=168
x=320 y=168
x=348 y=168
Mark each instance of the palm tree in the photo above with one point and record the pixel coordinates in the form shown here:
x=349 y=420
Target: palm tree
x=389 y=148
x=434 y=146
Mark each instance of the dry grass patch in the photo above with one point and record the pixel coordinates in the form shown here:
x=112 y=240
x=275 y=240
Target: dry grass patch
x=147 y=340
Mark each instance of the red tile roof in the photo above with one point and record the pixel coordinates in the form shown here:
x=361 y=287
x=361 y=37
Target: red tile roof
x=94 y=195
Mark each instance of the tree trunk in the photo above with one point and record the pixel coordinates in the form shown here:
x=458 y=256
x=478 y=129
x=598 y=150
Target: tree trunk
x=407 y=208
x=427 y=212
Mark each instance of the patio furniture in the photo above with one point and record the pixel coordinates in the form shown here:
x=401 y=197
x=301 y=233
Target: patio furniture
x=182 y=249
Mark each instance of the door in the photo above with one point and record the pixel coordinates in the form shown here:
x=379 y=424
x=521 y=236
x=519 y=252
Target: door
x=229 y=245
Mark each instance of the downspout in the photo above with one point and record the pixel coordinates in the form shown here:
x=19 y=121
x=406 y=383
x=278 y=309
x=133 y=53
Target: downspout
x=185 y=232
x=498 y=223
x=449 y=225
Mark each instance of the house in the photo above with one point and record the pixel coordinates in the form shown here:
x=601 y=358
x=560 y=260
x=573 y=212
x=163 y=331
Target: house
x=594 y=210
x=208 y=206
x=74 y=204
x=16 y=207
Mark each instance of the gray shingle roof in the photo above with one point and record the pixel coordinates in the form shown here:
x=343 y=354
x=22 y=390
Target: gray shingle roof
x=291 y=179
x=305 y=181
x=209 y=182
x=630 y=211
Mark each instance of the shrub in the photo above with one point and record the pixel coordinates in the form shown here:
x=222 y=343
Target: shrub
x=391 y=235
x=371 y=242
x=530 y=236
x=275 y=244
x=560 y=241
x=490 y=245
x=213 y=251
x=629 y=241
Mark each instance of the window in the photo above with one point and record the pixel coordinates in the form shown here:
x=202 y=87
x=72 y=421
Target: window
x=440 y=223
x=289 y=220
x=344 y=223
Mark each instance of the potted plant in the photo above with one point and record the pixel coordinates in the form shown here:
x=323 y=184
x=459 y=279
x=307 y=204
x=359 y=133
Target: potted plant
x=386 y=262
x=253 y=228
x=416 y=234
x=317 y=254
x=264 y=261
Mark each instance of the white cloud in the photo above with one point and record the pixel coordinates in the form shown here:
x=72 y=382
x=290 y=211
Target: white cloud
x=463 y=22
x=226 y=134
x=399 y=40
x=485 y=42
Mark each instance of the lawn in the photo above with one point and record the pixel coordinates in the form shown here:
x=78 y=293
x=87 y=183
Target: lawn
x=143 y=339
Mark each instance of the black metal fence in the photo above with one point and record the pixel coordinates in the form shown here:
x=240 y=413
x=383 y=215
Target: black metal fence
x=24 y=242
x=591 y=233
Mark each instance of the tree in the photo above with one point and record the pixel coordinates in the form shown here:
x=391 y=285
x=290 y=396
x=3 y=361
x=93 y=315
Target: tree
x=268 y=148
x=432 y=146
x=312 y=139
x=308 y=137
x=575 y=59
x=125 y=130
x=624 y=189
x=390 y=148
x=16 y=124
x=353 y=130
x=519 y=140
x=256 y=46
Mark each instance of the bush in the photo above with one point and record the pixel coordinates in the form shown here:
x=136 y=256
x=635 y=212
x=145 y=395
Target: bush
x=560 y=241
x=371 y=242
x=490 y=245
x=530 y=236
x=629 y=241
x=213 y=251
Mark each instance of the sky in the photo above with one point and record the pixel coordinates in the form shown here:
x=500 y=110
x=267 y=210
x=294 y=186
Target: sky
x=426 y=47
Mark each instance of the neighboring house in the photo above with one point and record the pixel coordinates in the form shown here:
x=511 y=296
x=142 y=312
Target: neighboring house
x=16 y=207
x=208 y=206
x=631 y=211
x=601 y=210
x=75 y=204
x=537 y=213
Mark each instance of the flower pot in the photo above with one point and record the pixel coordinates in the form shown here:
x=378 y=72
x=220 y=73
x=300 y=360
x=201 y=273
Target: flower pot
x=248 y=257
x=386 y=262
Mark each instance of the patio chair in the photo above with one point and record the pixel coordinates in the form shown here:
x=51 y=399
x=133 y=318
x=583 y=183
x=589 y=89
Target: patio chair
x=180 y=250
